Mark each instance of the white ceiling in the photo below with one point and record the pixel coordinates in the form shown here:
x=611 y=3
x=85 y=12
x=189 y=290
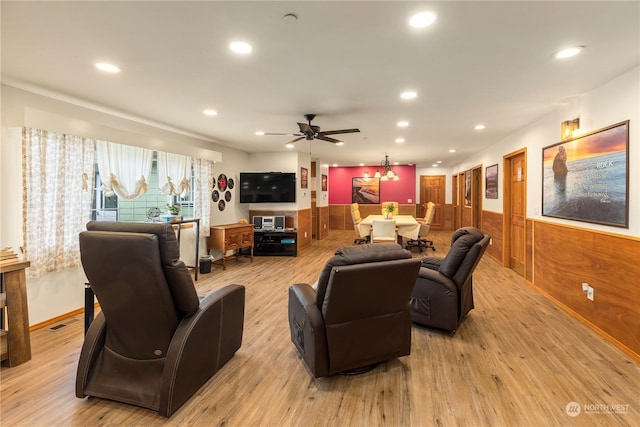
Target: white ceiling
x=347 y=62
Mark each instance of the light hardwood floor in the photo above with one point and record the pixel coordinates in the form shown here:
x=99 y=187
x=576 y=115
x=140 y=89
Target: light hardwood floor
x=516 y=360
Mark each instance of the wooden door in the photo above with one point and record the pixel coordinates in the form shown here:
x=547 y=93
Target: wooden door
x=454 y=202
x=432 y=189
x=476 y=197
x=515 y=207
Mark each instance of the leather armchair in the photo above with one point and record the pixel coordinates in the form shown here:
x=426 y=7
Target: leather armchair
x=443 y=292
x=359 y=315
x=154 y=343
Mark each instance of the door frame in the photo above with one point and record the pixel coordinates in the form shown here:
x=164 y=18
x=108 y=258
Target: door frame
x=506 y=206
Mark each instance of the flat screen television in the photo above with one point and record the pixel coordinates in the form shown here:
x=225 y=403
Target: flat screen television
x=267 y=187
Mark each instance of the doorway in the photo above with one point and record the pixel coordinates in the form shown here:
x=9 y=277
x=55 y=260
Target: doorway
x=432 y=188
x=515 y=211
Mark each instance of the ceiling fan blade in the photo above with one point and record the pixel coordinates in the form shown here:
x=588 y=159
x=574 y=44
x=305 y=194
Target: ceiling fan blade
x=335 y=132
x=328 y=139
x=276 y=133
x=305 y=128
x=295 y=140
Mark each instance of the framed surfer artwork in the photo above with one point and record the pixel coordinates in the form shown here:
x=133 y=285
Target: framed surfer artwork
x=587 y=178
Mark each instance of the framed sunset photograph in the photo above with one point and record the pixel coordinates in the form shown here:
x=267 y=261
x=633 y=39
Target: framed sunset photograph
x=587 y=178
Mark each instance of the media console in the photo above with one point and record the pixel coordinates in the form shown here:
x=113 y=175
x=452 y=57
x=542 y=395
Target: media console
x=275 y=243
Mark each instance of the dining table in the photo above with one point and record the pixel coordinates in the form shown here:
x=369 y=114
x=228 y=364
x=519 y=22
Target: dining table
x=407 y=226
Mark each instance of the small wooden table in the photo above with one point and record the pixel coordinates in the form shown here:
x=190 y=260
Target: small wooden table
x=229 y=237
x=14 y=285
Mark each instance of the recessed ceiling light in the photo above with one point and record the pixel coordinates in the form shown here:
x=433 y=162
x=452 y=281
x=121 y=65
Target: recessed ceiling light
x=408 y=95
x=479 y=127
x=399 y=140
x=453 y=150
x=569 y=52
x=335 y=165
x=240 y=47
x=289 y=145
x=403 y=124
x=361 y=164
x=210 y=112
x=439 y=161
x=422 y=19
x=259 y=133
x=434 y=165
x=109 y=68
x=340 y=143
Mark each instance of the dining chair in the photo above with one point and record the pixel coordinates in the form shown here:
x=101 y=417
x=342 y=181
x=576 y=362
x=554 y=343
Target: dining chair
x=356 y=218
x=383 y=231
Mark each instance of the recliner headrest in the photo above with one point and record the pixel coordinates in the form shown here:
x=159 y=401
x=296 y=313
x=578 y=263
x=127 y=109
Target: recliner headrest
x=358 y=254
x=178 y=278
x=463 y=239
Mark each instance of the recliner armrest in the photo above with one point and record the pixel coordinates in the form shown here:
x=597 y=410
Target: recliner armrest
x=201 y=345
x=307 y=329
x=437 y=279
x=431 y=262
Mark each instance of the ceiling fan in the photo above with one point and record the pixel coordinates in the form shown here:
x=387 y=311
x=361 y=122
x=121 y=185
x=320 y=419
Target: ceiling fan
x=310 y=132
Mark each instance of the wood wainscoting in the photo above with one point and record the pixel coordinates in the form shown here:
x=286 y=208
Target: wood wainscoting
x=566 y=256
x=492 y=225
x=322 y=214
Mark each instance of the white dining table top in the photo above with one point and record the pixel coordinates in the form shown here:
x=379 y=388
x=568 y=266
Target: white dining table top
x=407 y=225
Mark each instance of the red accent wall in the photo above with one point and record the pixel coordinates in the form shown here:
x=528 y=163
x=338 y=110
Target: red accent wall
x=398 y=191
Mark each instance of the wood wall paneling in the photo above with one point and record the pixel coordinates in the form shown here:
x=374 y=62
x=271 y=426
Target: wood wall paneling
x=323 y=222
x=305 y=229
x=492 y=225
x=565 y=257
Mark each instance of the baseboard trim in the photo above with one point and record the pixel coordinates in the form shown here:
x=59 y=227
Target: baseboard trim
x=629 y=352
x=57 y=319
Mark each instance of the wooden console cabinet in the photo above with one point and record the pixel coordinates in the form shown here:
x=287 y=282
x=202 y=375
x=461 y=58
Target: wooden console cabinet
x=230 y=237
x=16 y=340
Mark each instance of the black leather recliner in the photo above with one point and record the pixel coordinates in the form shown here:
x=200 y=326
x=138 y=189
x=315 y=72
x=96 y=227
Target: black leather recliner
x=443 y=292
x=359 y=315
x=154 y=343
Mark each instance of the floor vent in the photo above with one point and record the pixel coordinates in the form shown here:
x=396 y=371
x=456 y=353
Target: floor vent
x=55 y=328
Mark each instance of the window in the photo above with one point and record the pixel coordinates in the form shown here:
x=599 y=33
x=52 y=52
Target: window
x=111 y=208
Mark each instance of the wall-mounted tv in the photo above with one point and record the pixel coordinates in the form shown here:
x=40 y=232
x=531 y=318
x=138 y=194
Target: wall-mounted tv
x=267 y=187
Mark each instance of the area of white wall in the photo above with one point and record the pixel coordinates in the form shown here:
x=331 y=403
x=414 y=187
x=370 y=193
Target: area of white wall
x=615 y=101
x=322 y=197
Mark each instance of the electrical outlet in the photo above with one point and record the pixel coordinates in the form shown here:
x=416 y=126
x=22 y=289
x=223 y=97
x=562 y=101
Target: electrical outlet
x=490 y=241
x=305 y=234
x=590 y=292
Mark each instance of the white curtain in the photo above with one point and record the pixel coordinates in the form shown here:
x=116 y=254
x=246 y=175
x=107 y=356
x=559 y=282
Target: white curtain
x=124 y=169
x=174 y=171
x=203 y=174
x=58 y=177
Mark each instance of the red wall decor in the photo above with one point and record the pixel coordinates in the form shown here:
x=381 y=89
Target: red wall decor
x=401 y=191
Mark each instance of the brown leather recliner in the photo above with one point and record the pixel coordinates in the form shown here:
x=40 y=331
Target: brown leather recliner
x=359 y=315
x=154 y=343
x=443 y=293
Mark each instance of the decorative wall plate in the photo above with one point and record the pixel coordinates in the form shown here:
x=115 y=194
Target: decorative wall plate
x=230 y=183
x=222 y=182
x=213 y=184
x=221 y=205
x=227 y=196
x=215 y=195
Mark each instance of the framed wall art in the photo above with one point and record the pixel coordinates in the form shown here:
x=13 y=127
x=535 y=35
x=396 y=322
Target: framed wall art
x=491 y=182
x=587 y=178
x=365 y=190
x=324 y=182
x=467 y=188
x=304 y=178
